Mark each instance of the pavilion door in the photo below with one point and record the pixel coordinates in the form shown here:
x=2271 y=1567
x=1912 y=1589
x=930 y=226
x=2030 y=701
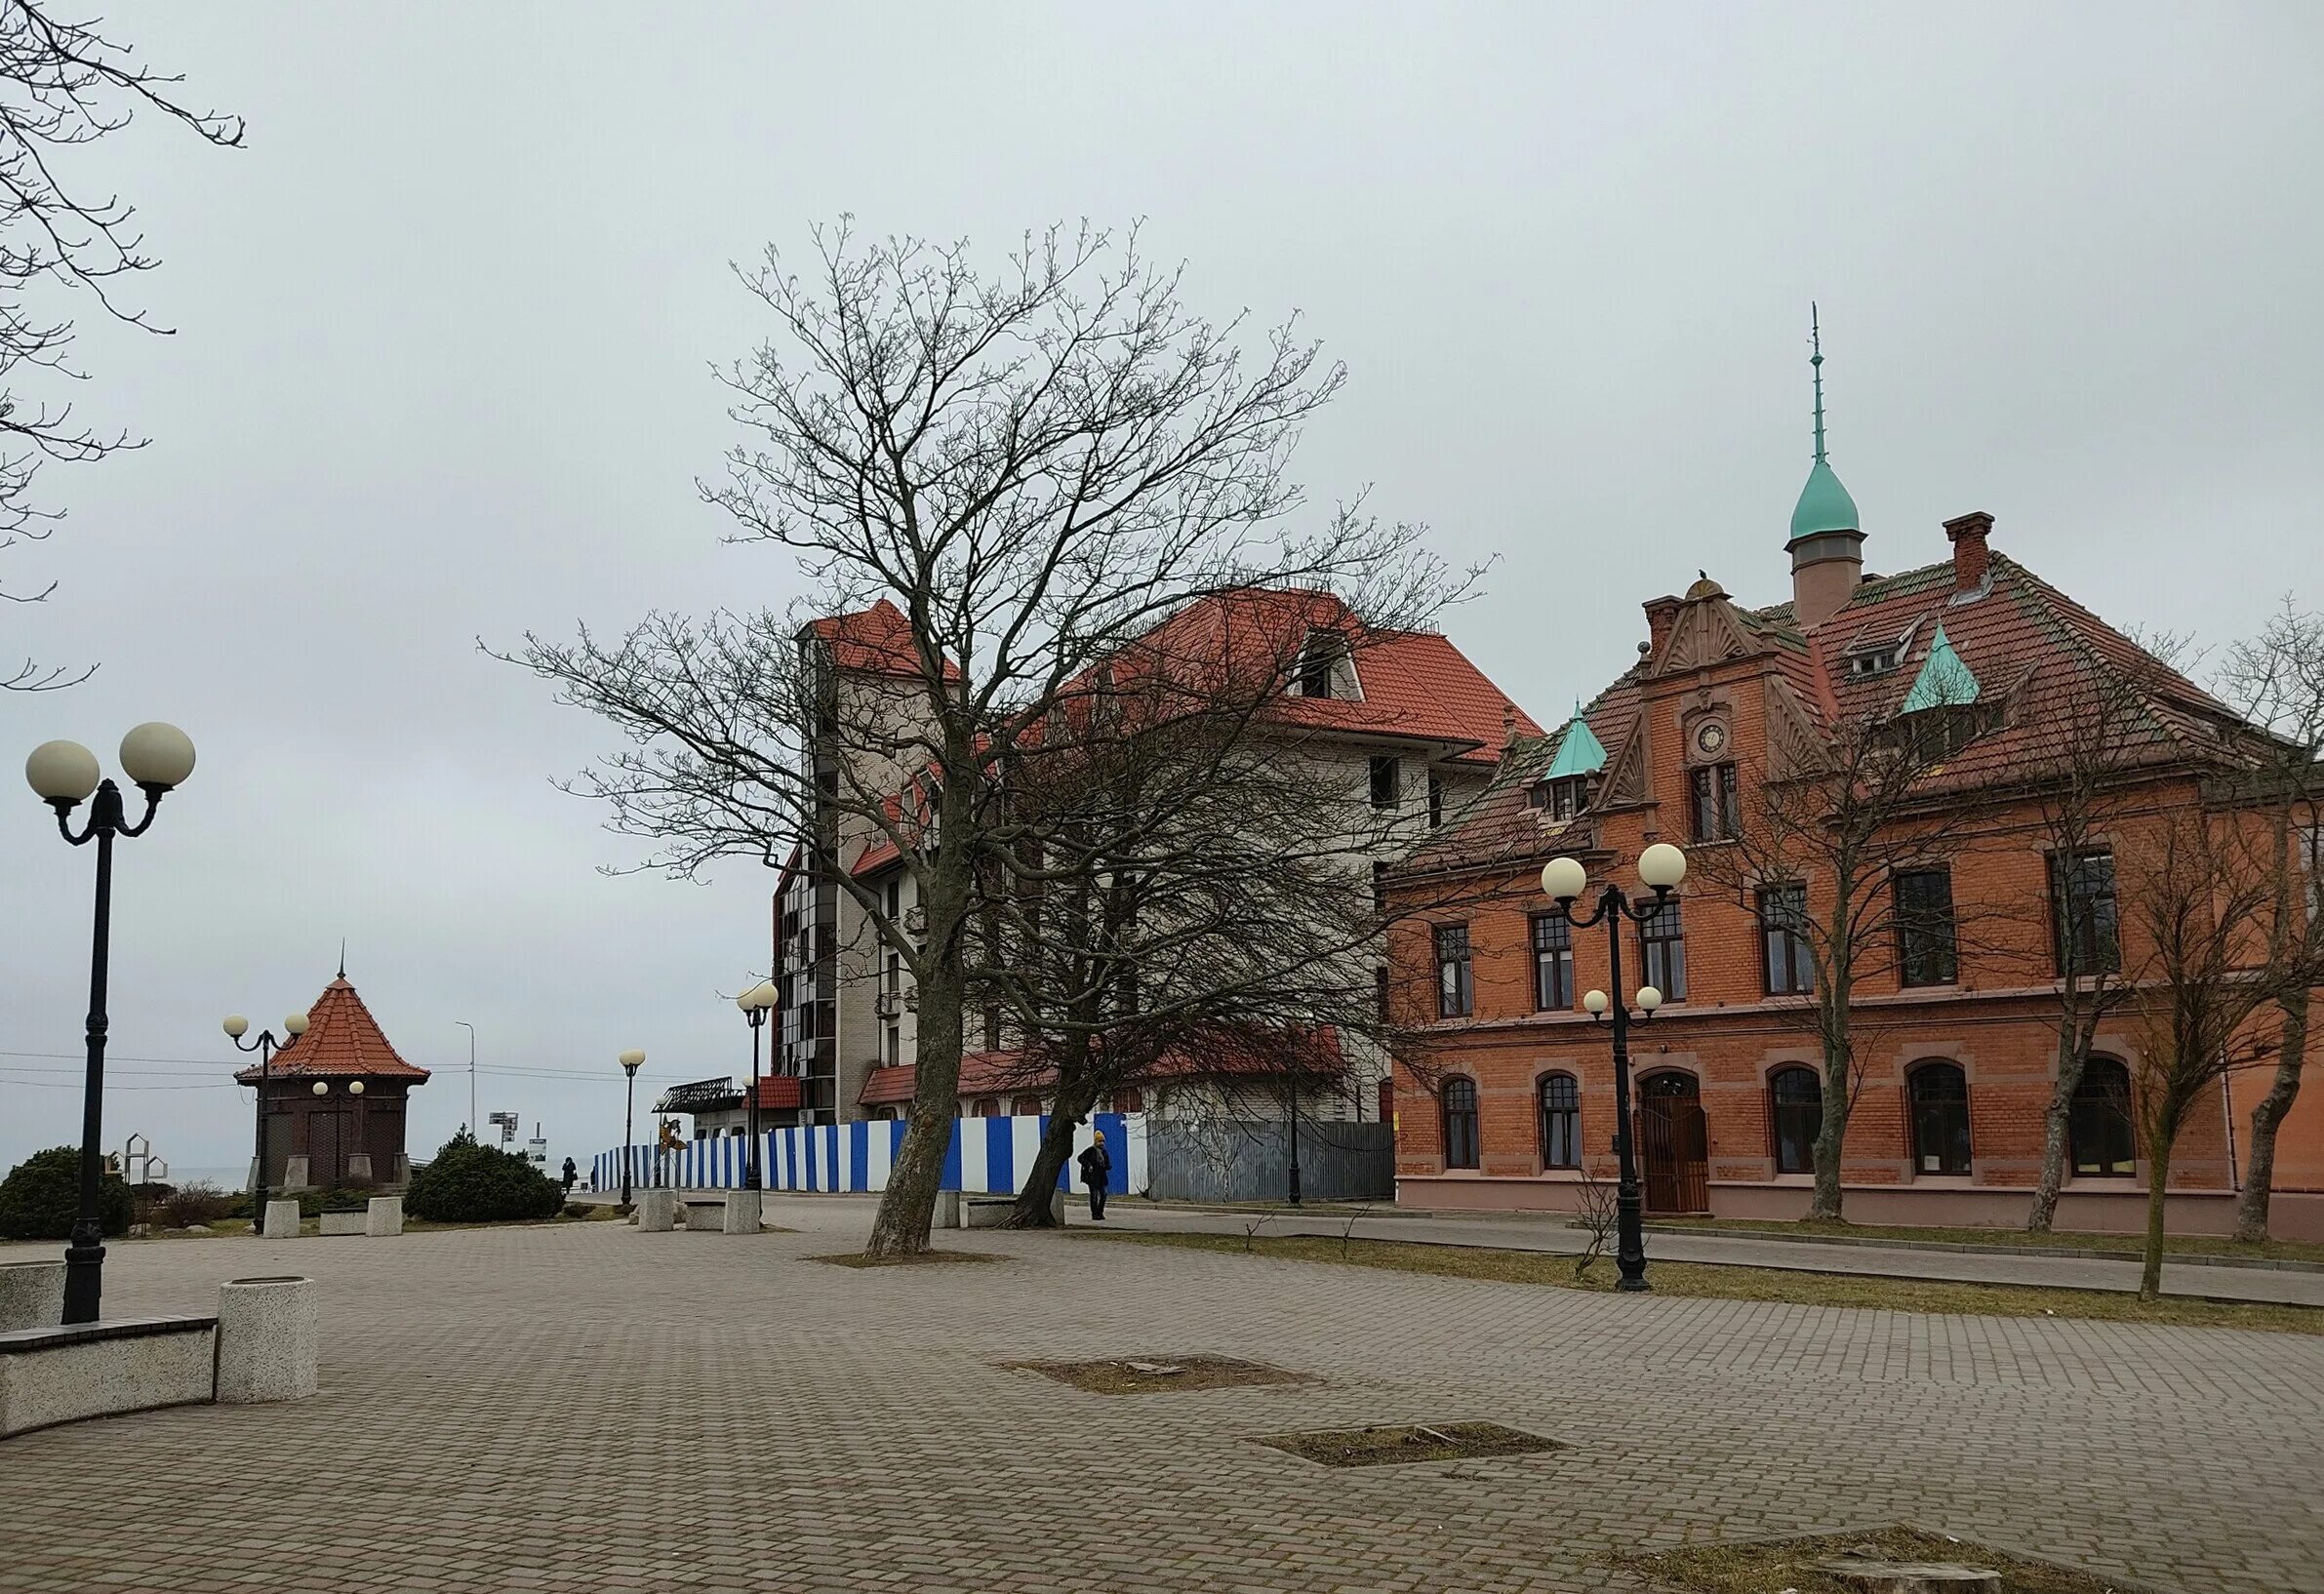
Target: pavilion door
x=1673 y=1144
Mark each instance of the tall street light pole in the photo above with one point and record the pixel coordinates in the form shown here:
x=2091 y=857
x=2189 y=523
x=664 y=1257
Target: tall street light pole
x=754 y=1003
x=473 y=1128
x=631 y=1063
x=1661 y=867
x=157 y=758
x=265 y=1047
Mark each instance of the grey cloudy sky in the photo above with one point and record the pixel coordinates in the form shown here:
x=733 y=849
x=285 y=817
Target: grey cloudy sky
x=442 y=372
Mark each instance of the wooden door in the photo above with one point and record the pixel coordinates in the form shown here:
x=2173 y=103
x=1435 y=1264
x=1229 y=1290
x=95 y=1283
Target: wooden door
x=1673 y=1144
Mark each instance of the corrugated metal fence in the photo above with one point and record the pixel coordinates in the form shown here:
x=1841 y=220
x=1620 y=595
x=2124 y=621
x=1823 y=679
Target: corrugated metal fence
x=986 y=1156
x=1246 y=1160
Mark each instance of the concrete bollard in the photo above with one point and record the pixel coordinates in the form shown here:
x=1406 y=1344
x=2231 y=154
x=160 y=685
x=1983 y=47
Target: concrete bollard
x=947 y=1209
x=269 y=1334
x=743 y=1212
x=282 y=1220
x=657 y=1210
x=31 y=1295
x=385 y=1215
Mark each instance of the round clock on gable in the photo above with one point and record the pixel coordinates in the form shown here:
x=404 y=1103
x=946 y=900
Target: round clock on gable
x=1711 y=738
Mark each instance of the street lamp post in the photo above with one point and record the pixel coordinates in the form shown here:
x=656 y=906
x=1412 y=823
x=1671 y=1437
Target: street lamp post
x=474 y=1128
x=1291 y=1092
x=754 y=1003
x=157 y=758
x=631 y=1063
x=265 y=1047
x=1661 y=867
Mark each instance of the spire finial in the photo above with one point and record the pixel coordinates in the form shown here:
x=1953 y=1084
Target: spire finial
x=1816 y=363
x=343 y=957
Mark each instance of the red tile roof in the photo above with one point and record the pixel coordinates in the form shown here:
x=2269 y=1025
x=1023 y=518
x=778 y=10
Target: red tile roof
x=2025 y=642
x=342 y=1041
x=777 y=1092
x=874 y=641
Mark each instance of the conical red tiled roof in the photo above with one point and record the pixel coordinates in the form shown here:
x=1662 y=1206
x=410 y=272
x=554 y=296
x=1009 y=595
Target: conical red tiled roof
x=342 y=1041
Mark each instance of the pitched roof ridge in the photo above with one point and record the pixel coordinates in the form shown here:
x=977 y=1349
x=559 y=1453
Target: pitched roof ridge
x=2037 y=599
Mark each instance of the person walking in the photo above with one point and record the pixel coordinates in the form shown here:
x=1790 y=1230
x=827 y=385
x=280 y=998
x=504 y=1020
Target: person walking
x=1095 y=1165
x=571 y=1173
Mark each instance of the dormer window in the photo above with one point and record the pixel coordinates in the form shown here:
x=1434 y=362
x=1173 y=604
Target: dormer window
x=1323 y=668
x=1565 y=797
x=1879 y=661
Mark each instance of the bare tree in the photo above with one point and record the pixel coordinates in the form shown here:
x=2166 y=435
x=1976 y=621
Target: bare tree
x=1030 y=467
x=2276 y=681
x=2199 y=892
x=62 y=84
x=1812 y=849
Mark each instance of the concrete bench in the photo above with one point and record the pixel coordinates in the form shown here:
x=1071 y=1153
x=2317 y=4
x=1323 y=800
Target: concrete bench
x=31 y=1295
x=131 y=1363
x=991 y=1212
x=341 y=1222
x=704 y=1212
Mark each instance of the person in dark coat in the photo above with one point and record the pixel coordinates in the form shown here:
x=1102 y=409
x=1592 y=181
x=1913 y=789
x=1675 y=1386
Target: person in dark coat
x=571 y=1173
x=1095 y=1165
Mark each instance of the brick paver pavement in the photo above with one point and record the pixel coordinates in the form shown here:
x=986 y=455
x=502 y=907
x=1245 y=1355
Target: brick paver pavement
x=588 y=1408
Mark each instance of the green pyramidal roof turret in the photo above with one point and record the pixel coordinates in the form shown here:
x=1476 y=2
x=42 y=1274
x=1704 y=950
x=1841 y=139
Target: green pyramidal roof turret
x=1579 y=750
x=1824 y=503
x=1944 y=680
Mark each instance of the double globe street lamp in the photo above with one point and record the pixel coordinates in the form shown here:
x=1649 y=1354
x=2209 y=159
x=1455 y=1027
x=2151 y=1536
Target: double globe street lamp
x=1660 y=867
x=157 y=758
x=755 y=1004
x=265 y=1046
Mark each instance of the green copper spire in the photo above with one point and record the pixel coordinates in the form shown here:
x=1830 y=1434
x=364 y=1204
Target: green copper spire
x=1579 y=750
x=1824 y=503
x=1944 y=680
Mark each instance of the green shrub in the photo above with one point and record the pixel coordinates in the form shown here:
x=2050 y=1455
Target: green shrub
x=471 y=1183
x=42 y=1194
x=191 y=1204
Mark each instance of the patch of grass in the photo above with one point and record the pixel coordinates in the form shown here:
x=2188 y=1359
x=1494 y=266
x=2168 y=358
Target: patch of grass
x=1708 y=1282
x=918 y=1259
x=1139 y=1375
x=2183 y=1246
x=1757 y=1567
x=1408 y=1442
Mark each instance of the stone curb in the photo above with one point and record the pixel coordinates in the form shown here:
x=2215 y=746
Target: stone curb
x=2269 y=1264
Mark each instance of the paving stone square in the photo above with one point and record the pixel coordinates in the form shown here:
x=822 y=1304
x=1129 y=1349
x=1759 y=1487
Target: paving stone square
x=590 y=1408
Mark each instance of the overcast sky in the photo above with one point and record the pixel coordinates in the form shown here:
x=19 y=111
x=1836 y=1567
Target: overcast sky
x=442 y=373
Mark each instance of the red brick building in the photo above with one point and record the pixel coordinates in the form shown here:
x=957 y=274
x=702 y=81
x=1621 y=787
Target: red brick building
x=1510 y=1092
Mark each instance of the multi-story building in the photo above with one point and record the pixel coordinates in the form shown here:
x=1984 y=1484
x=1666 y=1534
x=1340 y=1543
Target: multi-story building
x=1511 y=1093
x=1411 y=729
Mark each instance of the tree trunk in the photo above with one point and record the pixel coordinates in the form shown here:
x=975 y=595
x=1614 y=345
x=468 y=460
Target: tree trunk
x=2251 y=1208
x=1831 y=1141
x=907 y=1206
x=2150 y=1274
x=2055 y=1121
x=1073 y=1103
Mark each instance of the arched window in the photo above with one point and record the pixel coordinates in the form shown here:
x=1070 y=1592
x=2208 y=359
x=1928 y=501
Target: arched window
x=1940 y=1094
x=1027 y=1106
x=1795 y=1117
x=2099 y=1124
x=984 y=1106
x=1561 y=1120
x=1460 y=1123
x=1129 y=1098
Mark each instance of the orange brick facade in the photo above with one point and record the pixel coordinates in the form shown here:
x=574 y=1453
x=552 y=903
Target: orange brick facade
x=1995 y=1019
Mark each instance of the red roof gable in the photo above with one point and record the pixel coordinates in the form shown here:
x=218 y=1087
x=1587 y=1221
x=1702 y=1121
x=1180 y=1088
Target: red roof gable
x=342 y=1041
x=876 y=641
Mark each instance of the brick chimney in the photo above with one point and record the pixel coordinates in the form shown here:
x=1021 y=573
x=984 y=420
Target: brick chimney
x=1970 y=556
x=1660 y=615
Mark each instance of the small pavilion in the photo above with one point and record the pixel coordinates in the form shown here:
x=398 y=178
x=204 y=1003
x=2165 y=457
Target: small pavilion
x=335 y=1098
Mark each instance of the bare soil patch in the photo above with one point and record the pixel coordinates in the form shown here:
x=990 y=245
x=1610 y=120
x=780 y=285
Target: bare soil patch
x=1138 y=1374
x=1758 y=1566
x=1409 y=1441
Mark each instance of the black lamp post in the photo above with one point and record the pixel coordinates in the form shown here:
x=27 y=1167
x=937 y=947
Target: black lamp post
x=1660 y=866
x=631 y=1063
x=157 y=758
x=1291 y=1094
x=265 y=1046
x=754 y=1003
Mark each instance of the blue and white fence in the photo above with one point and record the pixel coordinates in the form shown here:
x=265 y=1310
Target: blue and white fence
x=986 y=1156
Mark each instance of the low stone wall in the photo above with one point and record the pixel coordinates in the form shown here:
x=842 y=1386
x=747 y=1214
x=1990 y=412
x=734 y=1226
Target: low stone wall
x=63 y=1374
x=31 y=1295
